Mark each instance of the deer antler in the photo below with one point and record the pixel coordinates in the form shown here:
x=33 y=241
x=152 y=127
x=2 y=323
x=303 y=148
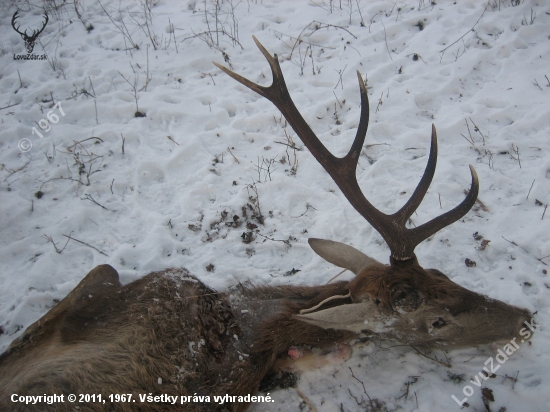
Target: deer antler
x=399 y=238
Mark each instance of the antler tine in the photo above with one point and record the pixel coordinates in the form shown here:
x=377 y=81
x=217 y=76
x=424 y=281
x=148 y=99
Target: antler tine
x=412 y=204
x=429 y=228
x=357 y=145
x=278 y=94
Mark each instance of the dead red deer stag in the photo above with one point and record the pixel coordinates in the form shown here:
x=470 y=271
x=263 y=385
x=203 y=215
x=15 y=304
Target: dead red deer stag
x=168 y=334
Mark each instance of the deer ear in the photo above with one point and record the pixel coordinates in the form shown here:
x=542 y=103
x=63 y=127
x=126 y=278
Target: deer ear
x=343 y=255
x=354 y=317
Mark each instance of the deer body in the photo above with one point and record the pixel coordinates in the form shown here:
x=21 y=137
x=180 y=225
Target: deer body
x=170 y=334
x=106 y=338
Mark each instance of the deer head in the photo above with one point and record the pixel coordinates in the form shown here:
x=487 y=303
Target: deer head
x=401 y=300
x=29 y=40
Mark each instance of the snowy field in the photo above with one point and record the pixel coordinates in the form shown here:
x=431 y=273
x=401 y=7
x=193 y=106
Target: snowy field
x=158 y=191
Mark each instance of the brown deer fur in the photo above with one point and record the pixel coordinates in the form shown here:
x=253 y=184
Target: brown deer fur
x=106 y=338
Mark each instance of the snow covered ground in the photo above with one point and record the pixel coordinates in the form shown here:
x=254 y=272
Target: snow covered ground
x=159 y=191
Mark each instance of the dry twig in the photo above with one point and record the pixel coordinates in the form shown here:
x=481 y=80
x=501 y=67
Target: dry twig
x=464 y=35
x=448 y=365
x=364 y=390
x=86 y=244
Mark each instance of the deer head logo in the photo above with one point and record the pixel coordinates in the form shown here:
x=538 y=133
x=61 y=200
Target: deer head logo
x=29 y=40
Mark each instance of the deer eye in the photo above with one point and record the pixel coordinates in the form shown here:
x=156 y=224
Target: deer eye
x=439 y=323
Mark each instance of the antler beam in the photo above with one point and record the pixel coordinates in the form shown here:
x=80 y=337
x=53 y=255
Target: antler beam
x=399 y=238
